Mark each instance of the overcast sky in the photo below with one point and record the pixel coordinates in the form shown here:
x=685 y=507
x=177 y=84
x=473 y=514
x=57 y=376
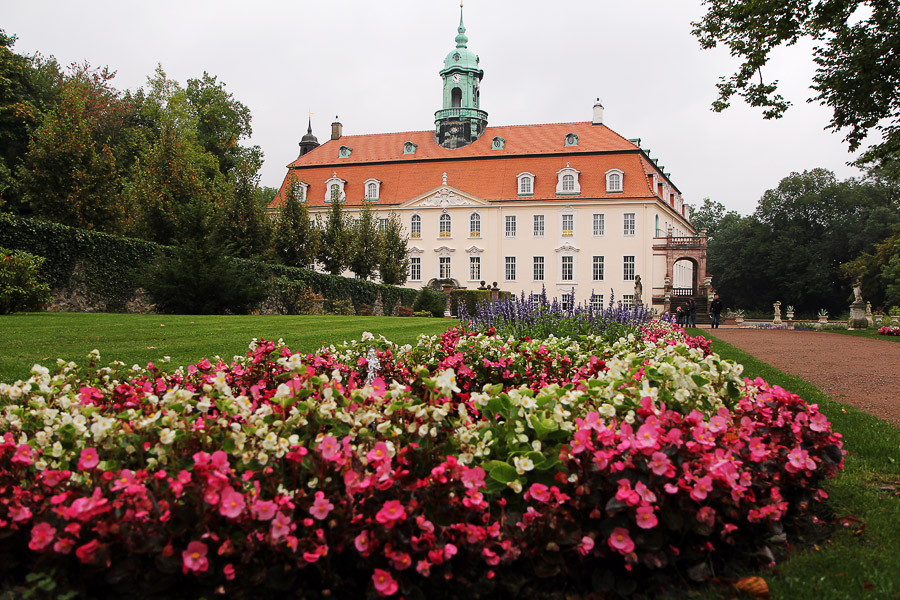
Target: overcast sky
x=375 y=65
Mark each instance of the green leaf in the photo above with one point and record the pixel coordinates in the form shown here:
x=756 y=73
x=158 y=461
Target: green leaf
x=501 y=471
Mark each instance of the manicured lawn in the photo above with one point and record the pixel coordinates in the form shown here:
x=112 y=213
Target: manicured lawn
x=871 y=332
x=861 y=560
x=26 y=339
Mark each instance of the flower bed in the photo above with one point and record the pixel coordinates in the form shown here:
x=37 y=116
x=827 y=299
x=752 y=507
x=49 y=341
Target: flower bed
x=470 y=464
x=888 y=330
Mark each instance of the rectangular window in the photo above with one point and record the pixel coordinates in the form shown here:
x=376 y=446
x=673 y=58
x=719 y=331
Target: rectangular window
x=568 y=225
x=628 y=224
x=510 y=226
x=475 y=225
x=382 y=225
x=474 y=268
x=415 y=268
x=597 y=268
x=628 y=268
x=599 y=224
x=628 y=300
x=538 y=268
x=538 y=225
x=444 y=263
x=567 y=300
x=510 y=268
x=568 y=268
x=597 y=302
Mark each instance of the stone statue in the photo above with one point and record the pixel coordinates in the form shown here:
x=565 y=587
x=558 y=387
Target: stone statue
x=638 y=290
x=857 y=292
x=777 y=307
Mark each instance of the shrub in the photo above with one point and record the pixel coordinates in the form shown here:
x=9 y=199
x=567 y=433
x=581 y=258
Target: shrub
x=404 y=311
x=341 y=307
x=19 y=287
x=471 y=299
x=296 y=298
x=366 y=311
x=431 y=301
x=423 y=313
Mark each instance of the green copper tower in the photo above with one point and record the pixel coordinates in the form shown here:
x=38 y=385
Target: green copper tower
x=460 y=122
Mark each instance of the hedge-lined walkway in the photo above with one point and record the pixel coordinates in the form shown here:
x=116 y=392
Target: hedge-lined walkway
x=858 y=371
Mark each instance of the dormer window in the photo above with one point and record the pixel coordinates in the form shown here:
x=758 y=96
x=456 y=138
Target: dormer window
x=344 y=151
x=373 y=189
x=525 y=183
x=498 y=143
x=567 y=183
x=571 y=139
x=334 y=188
x=614 y=178
x=409 y=147
x=299 y=190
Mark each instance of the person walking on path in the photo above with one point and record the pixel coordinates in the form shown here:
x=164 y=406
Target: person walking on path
x=715 y=309
x=692 y=313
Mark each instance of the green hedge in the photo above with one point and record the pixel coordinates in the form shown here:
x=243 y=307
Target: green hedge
x=110 y=267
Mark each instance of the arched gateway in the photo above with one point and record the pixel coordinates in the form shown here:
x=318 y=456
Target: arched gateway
x=683 y=248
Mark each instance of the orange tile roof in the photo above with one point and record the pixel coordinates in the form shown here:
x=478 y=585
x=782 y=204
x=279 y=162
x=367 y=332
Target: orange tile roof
x=476 y=168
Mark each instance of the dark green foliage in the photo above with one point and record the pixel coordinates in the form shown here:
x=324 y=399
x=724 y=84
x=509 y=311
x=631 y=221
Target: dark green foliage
x=199 y=279
x=431 y=301
x=334 y=248
x=857 y=57
x=394 y=265
x=365 y=244
x=296 y=240
x=709 y=216
x=295 y=297
x=243 y=227
x=471 y=298
x=20 y=289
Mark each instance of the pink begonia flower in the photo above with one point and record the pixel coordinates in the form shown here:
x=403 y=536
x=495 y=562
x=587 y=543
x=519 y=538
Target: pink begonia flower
x=264 y=510
x=362 y=542
x=400 y=560
x=757 y=449
x=580 y=441
x=707 y=516
x=818 y=422
x=702 y=488
x=194 y=558
x=539 y=492
x=219 y=461
x=449 y=551
x=88 y=552
x=281 y=525
x=798 y=460
x=41 y=536
x=63 y=546
x=19 y=513
x=329 y=448
x=586 y=545
x=390 y=513
x=229 y=572
x=644 y=492
x=231 y=503
x=620 y=541
x=423 y=568
x=384 y=583
x=88 y=459
x=125 y=479
x=23 y=455
x=647 y=436
x=646 y=518
x=378 y=453
x=201 y=459
x=473 y=478
x=659 y=463
x=718 y=424
x=321 y=506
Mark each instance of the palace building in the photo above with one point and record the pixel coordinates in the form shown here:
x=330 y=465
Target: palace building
x=561 y=206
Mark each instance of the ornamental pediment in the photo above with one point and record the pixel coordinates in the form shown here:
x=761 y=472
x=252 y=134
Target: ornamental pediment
x=444 y=197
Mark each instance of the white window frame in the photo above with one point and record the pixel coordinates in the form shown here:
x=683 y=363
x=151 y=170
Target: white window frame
x=567 y=268
x=561 y=177
x=599 y=224
x=445 y=261
x=615 y=181
x=367 y=185
x=382 y=225
x=415 y=268
x=542 y=219
x=563 y=231
x=628 y=300
x=597 y=302
x=598 y=267
x=475 y=225
x=474 y=268
x=509 y=268
x=538 y=265
x=626 y=230
x=332 y=181
x=299 y=190
x=625 y=267
x=510 y=226
x=525 y=179
x=445 y=226
x=415 y=227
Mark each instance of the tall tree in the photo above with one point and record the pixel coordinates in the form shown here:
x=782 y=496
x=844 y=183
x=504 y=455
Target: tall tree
x=243 y=225
x=856 y=53
x=709 y=216
x=296 y=239
x=365 y=243
x=394 y=265
x=334 y=247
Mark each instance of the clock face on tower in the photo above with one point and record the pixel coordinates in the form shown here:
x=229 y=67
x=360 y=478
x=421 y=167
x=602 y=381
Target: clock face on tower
x=456 y=78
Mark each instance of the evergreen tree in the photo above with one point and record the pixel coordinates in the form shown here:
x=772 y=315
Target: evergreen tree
x=394 y=264
x=296 y=239
x=244 y=228
x=365 y=244
x=334 y=249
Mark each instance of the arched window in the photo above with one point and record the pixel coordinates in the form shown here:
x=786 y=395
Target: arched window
x=525 y=185
x=335 y=192
x=415 y=227
x=445 y=226
x=456 y=98
x=568 y=183
x=615 y=183
x=475 y=225
x=371 y=191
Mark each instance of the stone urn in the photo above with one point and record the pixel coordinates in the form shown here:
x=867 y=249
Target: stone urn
x=739 y=319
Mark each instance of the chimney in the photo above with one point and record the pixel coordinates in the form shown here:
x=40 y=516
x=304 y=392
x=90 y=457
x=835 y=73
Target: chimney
x=336 y=128
x=598 y=113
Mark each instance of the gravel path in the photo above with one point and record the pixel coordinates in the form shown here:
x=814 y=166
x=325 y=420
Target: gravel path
x=861 y=372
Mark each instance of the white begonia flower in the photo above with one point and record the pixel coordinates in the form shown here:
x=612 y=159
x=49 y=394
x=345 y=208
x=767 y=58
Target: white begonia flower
x=607 y=410
x=167 y=436
x=40 y=371
x=367 y=337
x=528 y=402
x=515 y=486
x=446 y=382
x=523 y=464
x=282 y=392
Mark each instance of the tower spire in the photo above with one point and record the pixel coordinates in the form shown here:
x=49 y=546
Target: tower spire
x=461 y=38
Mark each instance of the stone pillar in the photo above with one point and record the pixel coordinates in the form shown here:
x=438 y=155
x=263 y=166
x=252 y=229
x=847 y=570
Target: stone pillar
x=858 y=318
